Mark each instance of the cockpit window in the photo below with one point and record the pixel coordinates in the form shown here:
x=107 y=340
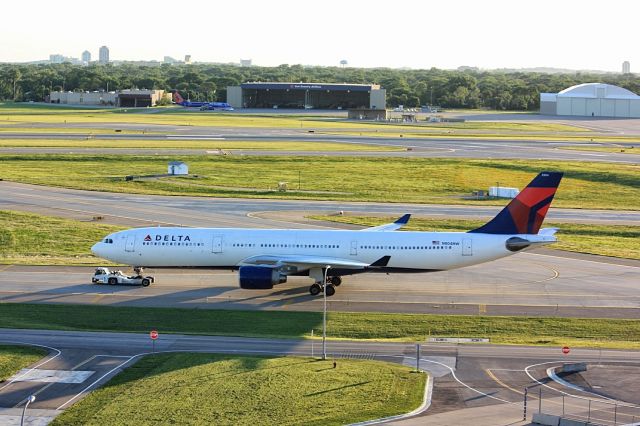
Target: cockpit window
x=108 y=241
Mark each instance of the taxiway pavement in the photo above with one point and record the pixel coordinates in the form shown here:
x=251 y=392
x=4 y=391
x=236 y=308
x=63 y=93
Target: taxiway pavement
x=459 y=147
x=137 y=209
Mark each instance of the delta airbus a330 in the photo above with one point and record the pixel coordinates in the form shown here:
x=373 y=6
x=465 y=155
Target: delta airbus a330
x=266 y=257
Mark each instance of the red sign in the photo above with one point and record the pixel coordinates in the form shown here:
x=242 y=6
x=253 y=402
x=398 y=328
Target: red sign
x=566 y=350
x=153 y=334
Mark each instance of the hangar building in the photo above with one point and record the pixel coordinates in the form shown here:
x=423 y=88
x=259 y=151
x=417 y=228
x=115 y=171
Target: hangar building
x=121 y=98
x=591 y=100
x=306 y=95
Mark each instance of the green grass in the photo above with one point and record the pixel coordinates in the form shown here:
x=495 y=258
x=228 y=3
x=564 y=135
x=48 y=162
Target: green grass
x=586 y=185
x=15 y=358
x=198 y=389
x=27 y=238
x=605 y=240
x=549 y=331
x=193 y=144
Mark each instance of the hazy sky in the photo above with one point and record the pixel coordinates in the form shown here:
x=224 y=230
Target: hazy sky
x=407 y=33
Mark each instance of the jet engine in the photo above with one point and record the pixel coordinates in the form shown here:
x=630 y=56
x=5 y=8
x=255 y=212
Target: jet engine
x=260 y=277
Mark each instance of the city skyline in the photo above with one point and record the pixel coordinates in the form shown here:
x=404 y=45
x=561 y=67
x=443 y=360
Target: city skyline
x=492 y=35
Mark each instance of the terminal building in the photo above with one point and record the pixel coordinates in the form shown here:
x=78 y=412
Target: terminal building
x=591 y=100
x=123 y=98
x=306 y=96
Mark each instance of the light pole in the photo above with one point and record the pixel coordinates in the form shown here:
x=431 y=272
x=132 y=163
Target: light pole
x=324 y=315
x=30 y=399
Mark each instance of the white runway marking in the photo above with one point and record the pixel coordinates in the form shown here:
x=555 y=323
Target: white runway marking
x=52 y=376
x=47 y=359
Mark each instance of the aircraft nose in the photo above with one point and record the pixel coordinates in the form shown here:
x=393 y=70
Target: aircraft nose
x=95 y=249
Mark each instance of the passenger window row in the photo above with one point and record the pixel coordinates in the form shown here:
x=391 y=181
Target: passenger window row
x=405 y=247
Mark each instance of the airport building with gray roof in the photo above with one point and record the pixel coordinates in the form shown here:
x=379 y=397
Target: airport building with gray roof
x=591 y=100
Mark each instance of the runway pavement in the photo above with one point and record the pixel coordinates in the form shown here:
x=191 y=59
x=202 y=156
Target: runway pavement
x=460 y=147
x=467 y=377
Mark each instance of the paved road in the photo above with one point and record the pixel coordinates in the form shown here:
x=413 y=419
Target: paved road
x=413 y=147
x=462 y=379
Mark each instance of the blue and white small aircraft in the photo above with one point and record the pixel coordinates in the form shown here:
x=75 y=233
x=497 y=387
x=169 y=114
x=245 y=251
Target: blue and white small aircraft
x=222 y=106
x=266 y=257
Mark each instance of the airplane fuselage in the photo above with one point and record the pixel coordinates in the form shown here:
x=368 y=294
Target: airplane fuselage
x=224 y=247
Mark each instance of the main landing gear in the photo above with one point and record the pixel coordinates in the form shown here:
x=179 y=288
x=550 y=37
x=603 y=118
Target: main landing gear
x=332 y=283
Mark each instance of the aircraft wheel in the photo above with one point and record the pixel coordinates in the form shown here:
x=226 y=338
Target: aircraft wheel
x=315 y=289
x=336 y=281
x=113 y=281
x=331 y=290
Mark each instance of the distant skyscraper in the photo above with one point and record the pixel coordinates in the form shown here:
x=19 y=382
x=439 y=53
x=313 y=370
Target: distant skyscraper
x=86 y=56
x=104 y=55
x=56 y=58
x=245 y=62
x=626 y=67
x=187 y=59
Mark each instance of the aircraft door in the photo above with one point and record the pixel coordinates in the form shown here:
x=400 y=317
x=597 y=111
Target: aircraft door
x=467 y=247
x=130 y=245
x=354 y=248
x=217 y=244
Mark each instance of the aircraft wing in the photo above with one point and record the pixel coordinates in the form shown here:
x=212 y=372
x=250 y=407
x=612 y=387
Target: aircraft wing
x=390 y=226
x=303 y=262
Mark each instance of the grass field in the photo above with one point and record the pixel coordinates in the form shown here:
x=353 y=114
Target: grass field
x=14 y=358
x=198 y=389
x=194 y=144
x=444 y=181
x=605 y=240
x=549 y=331
x=33 y=239
x=16 y=113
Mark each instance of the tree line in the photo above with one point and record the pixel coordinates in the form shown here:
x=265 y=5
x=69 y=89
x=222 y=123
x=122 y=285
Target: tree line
x=446 y=88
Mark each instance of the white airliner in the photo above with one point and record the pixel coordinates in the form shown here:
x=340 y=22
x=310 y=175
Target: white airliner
x=265 y=257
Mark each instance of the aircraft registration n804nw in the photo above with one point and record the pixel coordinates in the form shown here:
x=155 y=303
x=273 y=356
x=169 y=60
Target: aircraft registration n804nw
x=266 y=257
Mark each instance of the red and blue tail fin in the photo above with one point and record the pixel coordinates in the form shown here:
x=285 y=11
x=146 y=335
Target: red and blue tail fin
x=177 y=98
x=525 y=213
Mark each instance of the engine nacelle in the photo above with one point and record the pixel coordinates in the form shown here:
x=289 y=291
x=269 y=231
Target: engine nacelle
x=260 y=277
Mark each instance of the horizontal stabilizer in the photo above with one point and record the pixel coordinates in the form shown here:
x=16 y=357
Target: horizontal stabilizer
x=548 y=231
x=391 y=226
